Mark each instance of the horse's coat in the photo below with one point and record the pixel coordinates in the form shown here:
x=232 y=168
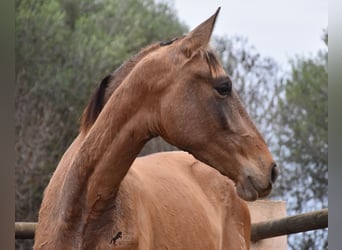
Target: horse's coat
x=177 y=90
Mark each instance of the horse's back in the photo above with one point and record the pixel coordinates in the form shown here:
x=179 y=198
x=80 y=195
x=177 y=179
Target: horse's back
x=172 y=201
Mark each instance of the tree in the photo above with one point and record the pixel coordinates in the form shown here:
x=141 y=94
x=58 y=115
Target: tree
x=303 y=141
x=63 y=49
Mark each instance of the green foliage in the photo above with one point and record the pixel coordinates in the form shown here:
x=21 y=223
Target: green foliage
x=63 y=49
x=306 y=106
x=304 y=114
x=303 y=141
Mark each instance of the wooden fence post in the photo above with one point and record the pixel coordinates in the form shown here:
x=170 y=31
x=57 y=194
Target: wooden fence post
x=265 y=210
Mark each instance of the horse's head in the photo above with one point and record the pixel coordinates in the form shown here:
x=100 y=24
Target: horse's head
x=200 y=112
x=188 y=99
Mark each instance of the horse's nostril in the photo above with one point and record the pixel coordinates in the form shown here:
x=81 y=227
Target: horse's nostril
x=274 y=172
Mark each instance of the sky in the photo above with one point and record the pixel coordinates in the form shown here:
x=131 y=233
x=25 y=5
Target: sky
x=279 y=29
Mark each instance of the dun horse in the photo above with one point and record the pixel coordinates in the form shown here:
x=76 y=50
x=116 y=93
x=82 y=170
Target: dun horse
x=102 y=197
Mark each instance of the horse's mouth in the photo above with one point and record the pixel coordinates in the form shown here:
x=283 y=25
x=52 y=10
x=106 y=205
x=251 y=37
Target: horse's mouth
x=250 y=191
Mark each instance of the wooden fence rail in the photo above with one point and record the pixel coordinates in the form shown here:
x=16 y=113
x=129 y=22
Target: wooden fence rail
x=262 y=230
x=25 y=230
x=290 y=225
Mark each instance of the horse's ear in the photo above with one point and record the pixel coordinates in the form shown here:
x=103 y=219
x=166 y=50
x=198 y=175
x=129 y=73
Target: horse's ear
x=200 y=36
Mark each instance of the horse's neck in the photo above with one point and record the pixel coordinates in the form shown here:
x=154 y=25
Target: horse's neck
x=101 y=160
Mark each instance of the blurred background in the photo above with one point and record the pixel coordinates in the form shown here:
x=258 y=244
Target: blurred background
x=275 y=51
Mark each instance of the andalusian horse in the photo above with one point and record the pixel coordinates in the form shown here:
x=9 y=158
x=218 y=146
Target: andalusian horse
x=102 y=197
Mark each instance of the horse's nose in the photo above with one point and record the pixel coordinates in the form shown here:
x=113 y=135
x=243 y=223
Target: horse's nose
x=274 y=172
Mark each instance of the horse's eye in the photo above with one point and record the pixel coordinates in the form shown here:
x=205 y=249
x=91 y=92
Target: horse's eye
x=224 y=89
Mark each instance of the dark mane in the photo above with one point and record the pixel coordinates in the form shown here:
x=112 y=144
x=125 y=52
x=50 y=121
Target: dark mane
x=95 y=104
x=107 y=86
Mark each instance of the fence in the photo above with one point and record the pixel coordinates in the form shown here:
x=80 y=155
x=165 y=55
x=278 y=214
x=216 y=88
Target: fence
x=290 y=225
x=262 y=230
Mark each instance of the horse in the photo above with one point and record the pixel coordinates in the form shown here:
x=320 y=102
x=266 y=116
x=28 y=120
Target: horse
x=102 y=196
